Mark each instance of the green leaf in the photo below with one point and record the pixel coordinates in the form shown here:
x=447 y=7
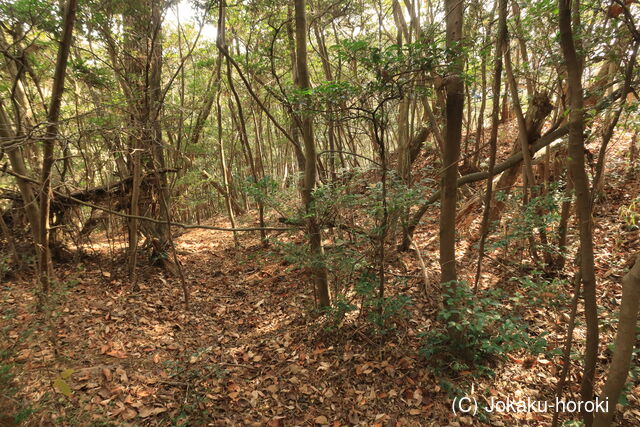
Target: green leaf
x=66 y=374
x=62 y=387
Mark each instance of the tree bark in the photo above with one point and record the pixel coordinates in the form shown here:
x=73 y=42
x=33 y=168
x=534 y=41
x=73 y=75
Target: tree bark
x=16 y=159
x=539 y=109
x=493 y=138
x=583 y=199
x=319 y=268
x=624 y=344
x=453 y=134
x=51 y=135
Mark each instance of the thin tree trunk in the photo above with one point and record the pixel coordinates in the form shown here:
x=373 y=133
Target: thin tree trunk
x=493 y=138
x=228 y=196
x=244 y=142
x=134 y=209
x=583 y=200
x=607 y=134
x=16 y=159
x=522 y=125
x=633 y=153
x=566 y=353
x=523 y=49
x=51 y=135
x=454 y=10
x=319 y=268
x=563 y=226
x=483 y=103
x=624 y=344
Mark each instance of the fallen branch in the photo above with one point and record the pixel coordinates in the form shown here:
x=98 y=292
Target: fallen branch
x=425 y=272
x=144 y=218
x=509 y=163
x=96 y=193
x=479 y=176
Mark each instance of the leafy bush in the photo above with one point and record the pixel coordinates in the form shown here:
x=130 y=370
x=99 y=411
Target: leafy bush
x=630 y=215
x=336 y=313
x=540 y=213
x=488 y=331
x=351 y=210
x=538 y=289
x=381 y=312
x=264 y=190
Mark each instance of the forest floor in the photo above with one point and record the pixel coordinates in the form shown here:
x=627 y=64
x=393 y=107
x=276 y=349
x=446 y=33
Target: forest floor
x=251 y=351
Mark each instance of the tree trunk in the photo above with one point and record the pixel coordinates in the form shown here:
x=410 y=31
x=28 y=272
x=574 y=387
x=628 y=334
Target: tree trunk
x=223 y=161
x=319 y=268
x=140 y=79
x=624 y=344
x=563 y=225
x=453 y=133
x=633 y=153
x=583 y=199
x=134 y=209
x=493 y=138
x=539 y=109
x=16 y=159
x=51 y=135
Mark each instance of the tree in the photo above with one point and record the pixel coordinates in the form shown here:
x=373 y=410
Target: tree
x=583 y=198
x=305 y=122
x=624 y=343
x=454 y=10
x=51 y=134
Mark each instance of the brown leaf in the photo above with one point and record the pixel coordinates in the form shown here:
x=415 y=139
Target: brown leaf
x=353 y=418
x=107 y=374
x=272 y=388
x=322 y=420
x=117 y=354
x=417 y=395
x=406 y=363
x=129 y=414
x=614 y=10
x=122 y=374
x=146 y=411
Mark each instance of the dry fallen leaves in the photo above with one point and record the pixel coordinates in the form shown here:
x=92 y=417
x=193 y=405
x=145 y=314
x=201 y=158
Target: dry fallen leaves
x=322 y=420
x=118 y=354
x=270 y=367
x=146 y=411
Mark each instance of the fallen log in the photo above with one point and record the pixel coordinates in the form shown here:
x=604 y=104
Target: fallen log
x=95 y=194
x=72 y=199
x=115 y=189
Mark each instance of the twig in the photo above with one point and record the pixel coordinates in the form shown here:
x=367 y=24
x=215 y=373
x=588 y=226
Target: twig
x=425 y=273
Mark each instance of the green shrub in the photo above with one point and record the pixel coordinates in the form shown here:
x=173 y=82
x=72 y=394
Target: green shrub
x=488 y=331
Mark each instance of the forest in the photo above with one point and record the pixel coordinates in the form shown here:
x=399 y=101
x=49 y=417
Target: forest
x=318 y=212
